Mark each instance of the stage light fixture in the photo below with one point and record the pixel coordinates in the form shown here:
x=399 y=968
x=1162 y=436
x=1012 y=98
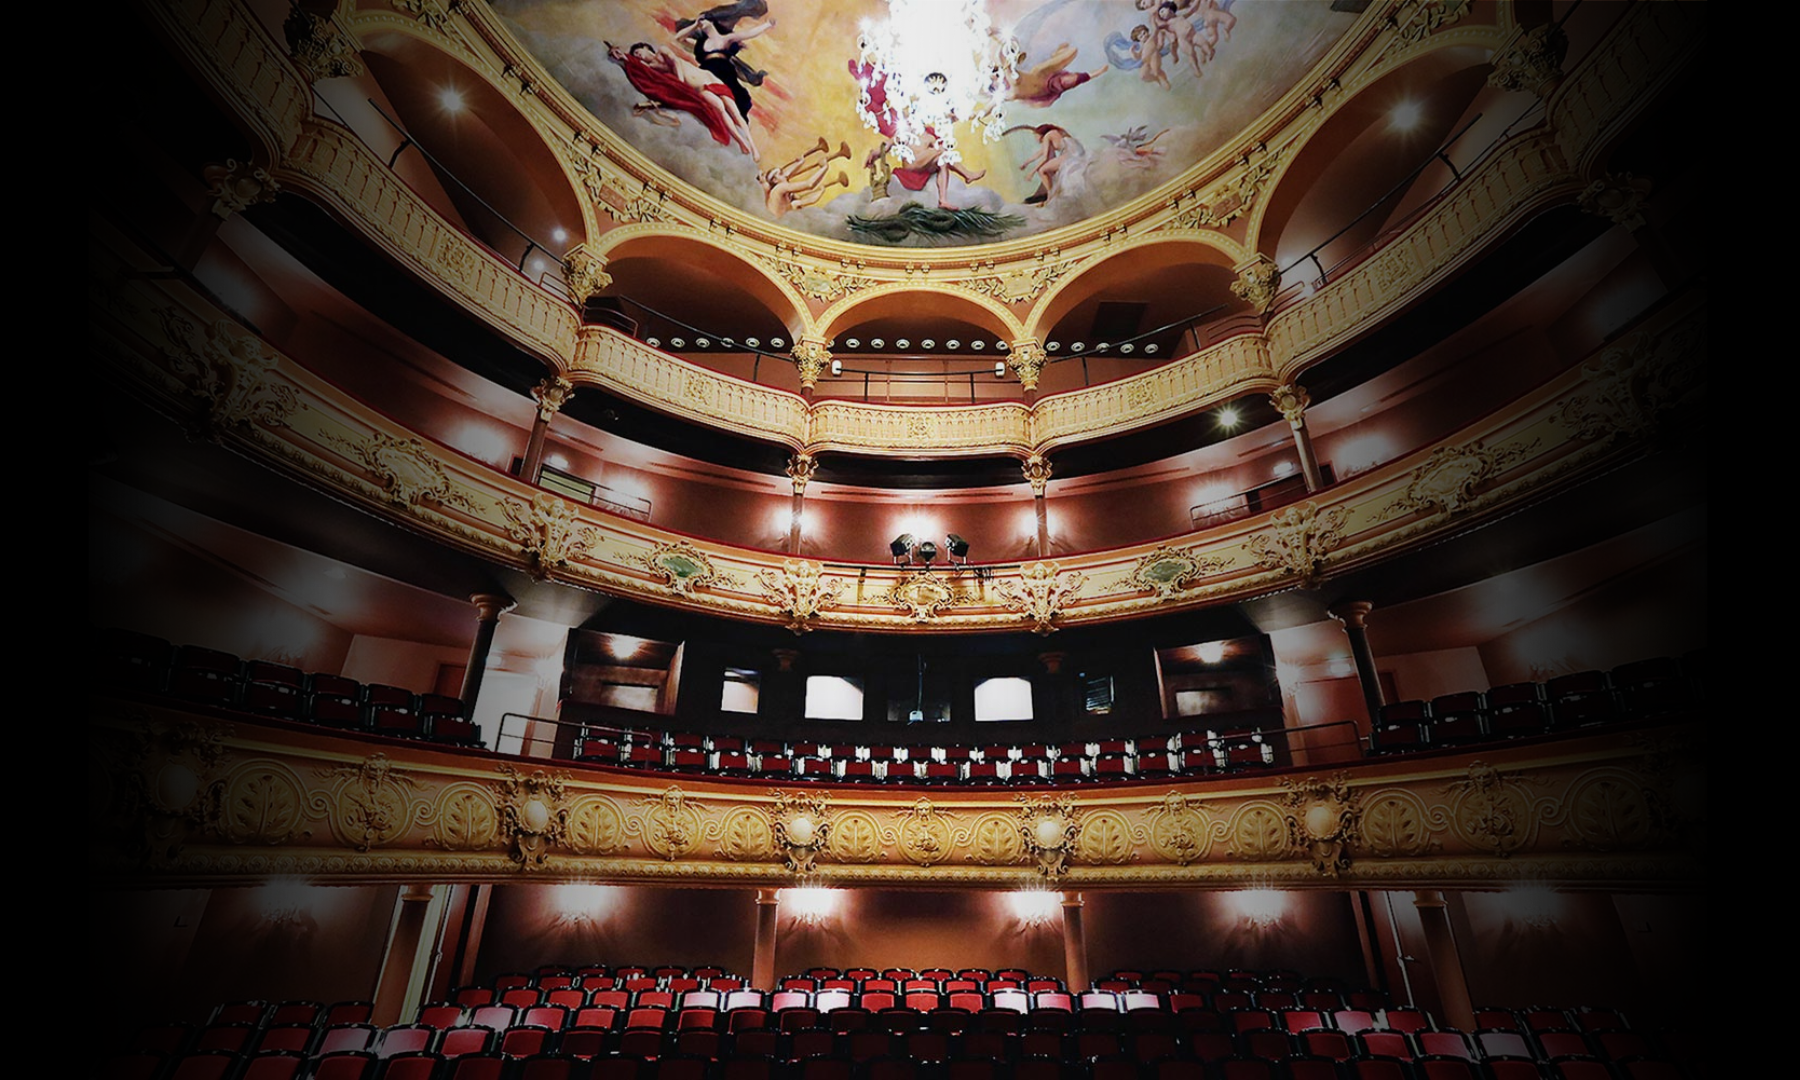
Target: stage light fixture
x=957 y=547
x=902 y=546
x=926 y=552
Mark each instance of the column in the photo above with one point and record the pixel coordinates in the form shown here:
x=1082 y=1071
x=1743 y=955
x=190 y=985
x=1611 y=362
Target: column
x=551 y=394
x=405 y=960
x=811 y=358
x=1291 y=401
x=1446 y=962
x=1074 y=944
x=488 y=609
x=800 y=469
x=1027 y=358
x=1354 y=615
x=1037 y=473
x=762 y=960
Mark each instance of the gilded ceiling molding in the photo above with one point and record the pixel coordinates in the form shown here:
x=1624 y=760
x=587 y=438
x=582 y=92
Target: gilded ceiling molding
x=793 y=310
x=1219 y=203
x=816 y=281
x=180 y=797
x=921 y=290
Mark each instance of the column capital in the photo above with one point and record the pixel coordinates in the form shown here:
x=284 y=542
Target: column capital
x=416 y=893
x=585 y=272
x=1352 y=613
x=1291 y=400
x=490 y=606
x=800 y=469
x=1072 y=900
x=1027 y=358
x=551 y=395
x=1531 y=62
x=1429 y=898
x=1618 y=197
x=1037 y=472
x=769 y=897
x=1258 y=282
x=238 y=185
x=320 y=47
x=810 y=357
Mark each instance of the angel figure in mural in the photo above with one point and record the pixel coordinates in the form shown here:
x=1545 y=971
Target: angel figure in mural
x=797 y=185
x=1193 y=26
x=669 y=82
x=1042 y=85
x=1146 y=49
x=716 y=50
x=1056 y=150
x=928 y=162
x=1136 y=148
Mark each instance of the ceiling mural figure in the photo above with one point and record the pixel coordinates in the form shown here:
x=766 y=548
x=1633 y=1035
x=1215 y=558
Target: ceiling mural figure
x=771 y=106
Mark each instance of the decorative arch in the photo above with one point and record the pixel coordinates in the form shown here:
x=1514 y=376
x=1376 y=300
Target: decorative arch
x=884 y=299
x=663 y=240
x=1211 y=248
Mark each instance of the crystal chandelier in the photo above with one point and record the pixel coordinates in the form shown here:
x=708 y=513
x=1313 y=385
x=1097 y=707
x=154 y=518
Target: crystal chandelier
x=931 y=64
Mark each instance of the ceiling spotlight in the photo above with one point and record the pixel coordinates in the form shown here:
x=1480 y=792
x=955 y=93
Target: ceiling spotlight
x=1103 y=346
x=876 y=343
x=1078 y=346
x=1228 y=418
x=727 y=342
x=1406 y=115
x=957 y=547
x=852 y=343
x=702 y=343
x=676 y=343
x=837 y=367
x=902 y=546
x=1150 y=348
x=1210 y=652
x=776 y=343
x=452 y=100
x=1002 y=346
x=753 y=342
x=654 y=343
x=978 y=345
x=1127 y=347
x=559 y=234
x=953 y=344
x=1054 y=346
x=928 y=344
x=902 y=343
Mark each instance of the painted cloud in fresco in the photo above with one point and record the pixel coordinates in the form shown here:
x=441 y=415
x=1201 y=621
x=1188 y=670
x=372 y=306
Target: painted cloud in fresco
x=1115 y=98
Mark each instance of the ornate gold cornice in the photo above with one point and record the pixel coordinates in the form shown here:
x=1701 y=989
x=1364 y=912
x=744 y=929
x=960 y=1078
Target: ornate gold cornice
x=190 y=362
x=243 y=801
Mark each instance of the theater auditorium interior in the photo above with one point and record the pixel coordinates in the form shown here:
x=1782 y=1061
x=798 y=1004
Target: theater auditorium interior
x=928 y=540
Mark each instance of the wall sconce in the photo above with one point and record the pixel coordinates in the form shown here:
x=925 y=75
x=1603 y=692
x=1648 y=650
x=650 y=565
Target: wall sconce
x=584 y=904
x=1035 y=907
x=1537 y=906
x=1261 y=908
x=812 y=904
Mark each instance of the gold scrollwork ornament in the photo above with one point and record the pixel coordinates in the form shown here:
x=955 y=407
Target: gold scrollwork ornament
x=670 y=824
x=1323 y=819
x=549 y=533
x=925 y=833
x=1166 y=571
x=1040 y=594
x=925 y=595
x=534 y=815
x=1298 y=540
x=800 y=591
x=683 y=567
x=1178 y=829
x=801 y=829
x=1048 y=827
x=369 y=804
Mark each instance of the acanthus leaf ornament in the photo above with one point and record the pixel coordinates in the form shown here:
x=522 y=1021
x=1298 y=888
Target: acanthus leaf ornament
x=1291 y=401
x=810 y=359
x=801 y=829
x=1040 y=594
x=236 y=186
x=801 y=468
x=1036 y=469
x=1027 y=358
x=231 y=371
x=1532 y=61
x=1258 y=283
x=585 y=273
x=549 y=532
x=534 y=814
x=551 y=395
x=405 y=469
x=800 y=591
x=1167 y=570
x=924 y=594
x=430 y=13
x=815 y=282
x=320 y=47
x=1226 y=203
x=1298 y=540
x=1447 y=480
x=1048 y=827
x=683 y=567
x=1019 y=285
x=1421 y=18
x=1323 y=819
x=369 y=804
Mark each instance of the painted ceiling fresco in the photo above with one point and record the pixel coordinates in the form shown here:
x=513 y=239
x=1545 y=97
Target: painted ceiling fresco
x=755 y=103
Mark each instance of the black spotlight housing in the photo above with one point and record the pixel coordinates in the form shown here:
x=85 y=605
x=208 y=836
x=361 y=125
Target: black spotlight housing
x=903 y=545
x=927 y=552
x=957 y=546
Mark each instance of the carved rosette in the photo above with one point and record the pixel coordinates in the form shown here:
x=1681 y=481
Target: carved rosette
x=551 y=395
x=319 y=47
x=585 y=272
x=1449 y=477
x=1258 y=283
x=1291 y=401
x=236 y=186
x=1037 y=473
x=1048 y=827
x=1629 y=388
x=1166 y=571
x=801 y=829
x=800 y=470
x=1298 y=540
x=800 y=591
x=1323 y=819
x=924 y=594
x=1027 y=359
x=925 y=833
x=549 y=533
x=534 y=816
x=370 y=804
x=683 y=567
x=1040 y=593
x=1178 y=829
x=1619 y=198
x=811 y=357
x=230 y=371
x=405 y=468
x=1532 y=62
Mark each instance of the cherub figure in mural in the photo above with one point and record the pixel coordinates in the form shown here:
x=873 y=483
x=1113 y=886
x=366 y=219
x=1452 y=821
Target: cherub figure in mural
x=797 y=185
x=1043 y=84
x=1146 y=49
x=1171 y=26
x=669 y=82
x=1136 y=149
x=1054 y=147
x=1212 y=14
x=716 y=52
